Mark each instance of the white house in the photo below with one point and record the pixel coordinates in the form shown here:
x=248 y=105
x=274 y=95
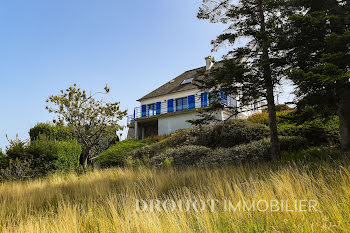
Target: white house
x=169 y=107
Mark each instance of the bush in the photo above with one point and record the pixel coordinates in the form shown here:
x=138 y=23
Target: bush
x=4 y=162
x=182 y=156
x=263 y=118
x=254 y=151
x=319 y=131
x=51 y=156
x=204 y=157
x=228 y=134
x=117 y=154
x=17 y=170
x=52 y=132
x=312 y=154
x=223 y=134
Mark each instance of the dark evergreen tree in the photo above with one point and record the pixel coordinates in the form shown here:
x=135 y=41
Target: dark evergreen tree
x=255 y=69
x=319 y=53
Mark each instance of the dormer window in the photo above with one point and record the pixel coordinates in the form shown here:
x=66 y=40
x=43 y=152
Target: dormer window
x=186 y=81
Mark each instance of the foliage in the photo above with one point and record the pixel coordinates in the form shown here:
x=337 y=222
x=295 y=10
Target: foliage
x=52 y=156
x=319 y=54
x=52 y=132
x=263 y=117
x=313 y=154
x=17 y=149
x=187 y=156
x=182 y=156
x=86 y=116
x=252 y=70
x=17 y=169
x=224 y=134
x=3 y=161
x=117 y=154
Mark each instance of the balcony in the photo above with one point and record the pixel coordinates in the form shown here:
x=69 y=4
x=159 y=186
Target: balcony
x=176 y=105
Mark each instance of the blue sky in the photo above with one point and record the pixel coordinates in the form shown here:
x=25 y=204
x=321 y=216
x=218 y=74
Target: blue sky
x=133 y=46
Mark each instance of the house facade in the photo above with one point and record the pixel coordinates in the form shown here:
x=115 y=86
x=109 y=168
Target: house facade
x=169 y=107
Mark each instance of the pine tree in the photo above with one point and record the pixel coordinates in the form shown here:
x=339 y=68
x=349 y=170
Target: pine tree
x=319 y=54
x=255 y=69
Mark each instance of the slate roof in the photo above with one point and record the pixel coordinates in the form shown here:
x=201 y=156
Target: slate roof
x=175 y=85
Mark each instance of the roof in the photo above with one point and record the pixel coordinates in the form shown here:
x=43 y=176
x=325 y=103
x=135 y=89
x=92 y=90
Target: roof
x=175 y=85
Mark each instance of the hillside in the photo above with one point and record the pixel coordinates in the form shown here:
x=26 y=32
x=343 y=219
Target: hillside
x=105 y=201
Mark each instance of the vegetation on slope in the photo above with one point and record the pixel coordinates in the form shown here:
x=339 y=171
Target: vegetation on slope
x=104 y=201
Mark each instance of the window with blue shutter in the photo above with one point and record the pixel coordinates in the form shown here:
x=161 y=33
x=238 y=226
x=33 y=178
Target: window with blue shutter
x=223 y=97
x=144 y=110
x=191 y=102
x=182 y=104
x=204 y=100
x=151 y=109
x=158 y=108
x=171 y=105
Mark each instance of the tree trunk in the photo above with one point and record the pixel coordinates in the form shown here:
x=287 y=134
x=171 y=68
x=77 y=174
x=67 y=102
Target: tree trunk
x=84 y=159
x=344 y=118
x=269 y=85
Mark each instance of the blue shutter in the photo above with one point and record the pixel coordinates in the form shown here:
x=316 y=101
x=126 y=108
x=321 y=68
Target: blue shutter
x=158 y=108
x=204 y=99
x=191 y=102
x=171 y=105
x=144 y=110
x=223 y=97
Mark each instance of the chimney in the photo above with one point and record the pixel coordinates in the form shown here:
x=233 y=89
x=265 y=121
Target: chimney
x=209 y=62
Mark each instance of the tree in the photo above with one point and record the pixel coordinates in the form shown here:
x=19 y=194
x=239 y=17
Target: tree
x=256 y=67
x=320 y=58
x=89 y=118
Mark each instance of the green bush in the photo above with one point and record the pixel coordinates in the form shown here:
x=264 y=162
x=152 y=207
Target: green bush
x=117 y=154
x=52 y=132
x=228 y=134
x=4 y=162
x=319 y=131
x=52 y=156
x=204 y=157
x=312 y=154
x=182 y=156
x=223 y=134
x=17 y=150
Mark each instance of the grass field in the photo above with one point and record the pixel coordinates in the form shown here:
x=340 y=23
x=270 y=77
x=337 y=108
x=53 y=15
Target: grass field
x=105 y=201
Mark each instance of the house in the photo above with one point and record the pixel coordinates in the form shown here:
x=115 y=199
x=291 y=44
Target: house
x=169 y=107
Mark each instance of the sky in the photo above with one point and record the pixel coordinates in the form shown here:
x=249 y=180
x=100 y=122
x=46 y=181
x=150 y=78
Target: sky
x=132 y=46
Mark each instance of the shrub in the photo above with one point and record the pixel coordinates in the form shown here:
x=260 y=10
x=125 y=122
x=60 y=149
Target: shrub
x=4 y=162
x=52 y=132
x=17 y=170
x=257 y=150
x=318 y=131
x=116 y=155
x=228 y=134
x=51 y=156
x=223 y=134
x=263 y=118
x=312 y=154
x=182 y=156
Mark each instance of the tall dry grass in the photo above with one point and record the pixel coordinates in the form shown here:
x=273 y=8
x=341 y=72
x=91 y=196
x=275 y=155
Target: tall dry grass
x=104 y=201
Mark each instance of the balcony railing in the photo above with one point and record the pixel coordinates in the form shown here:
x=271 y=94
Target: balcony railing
x=155 y=109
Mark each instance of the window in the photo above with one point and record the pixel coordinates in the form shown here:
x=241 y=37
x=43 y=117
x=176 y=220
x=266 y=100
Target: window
x=151 y=109
x=181 y=104
x=187 y=81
